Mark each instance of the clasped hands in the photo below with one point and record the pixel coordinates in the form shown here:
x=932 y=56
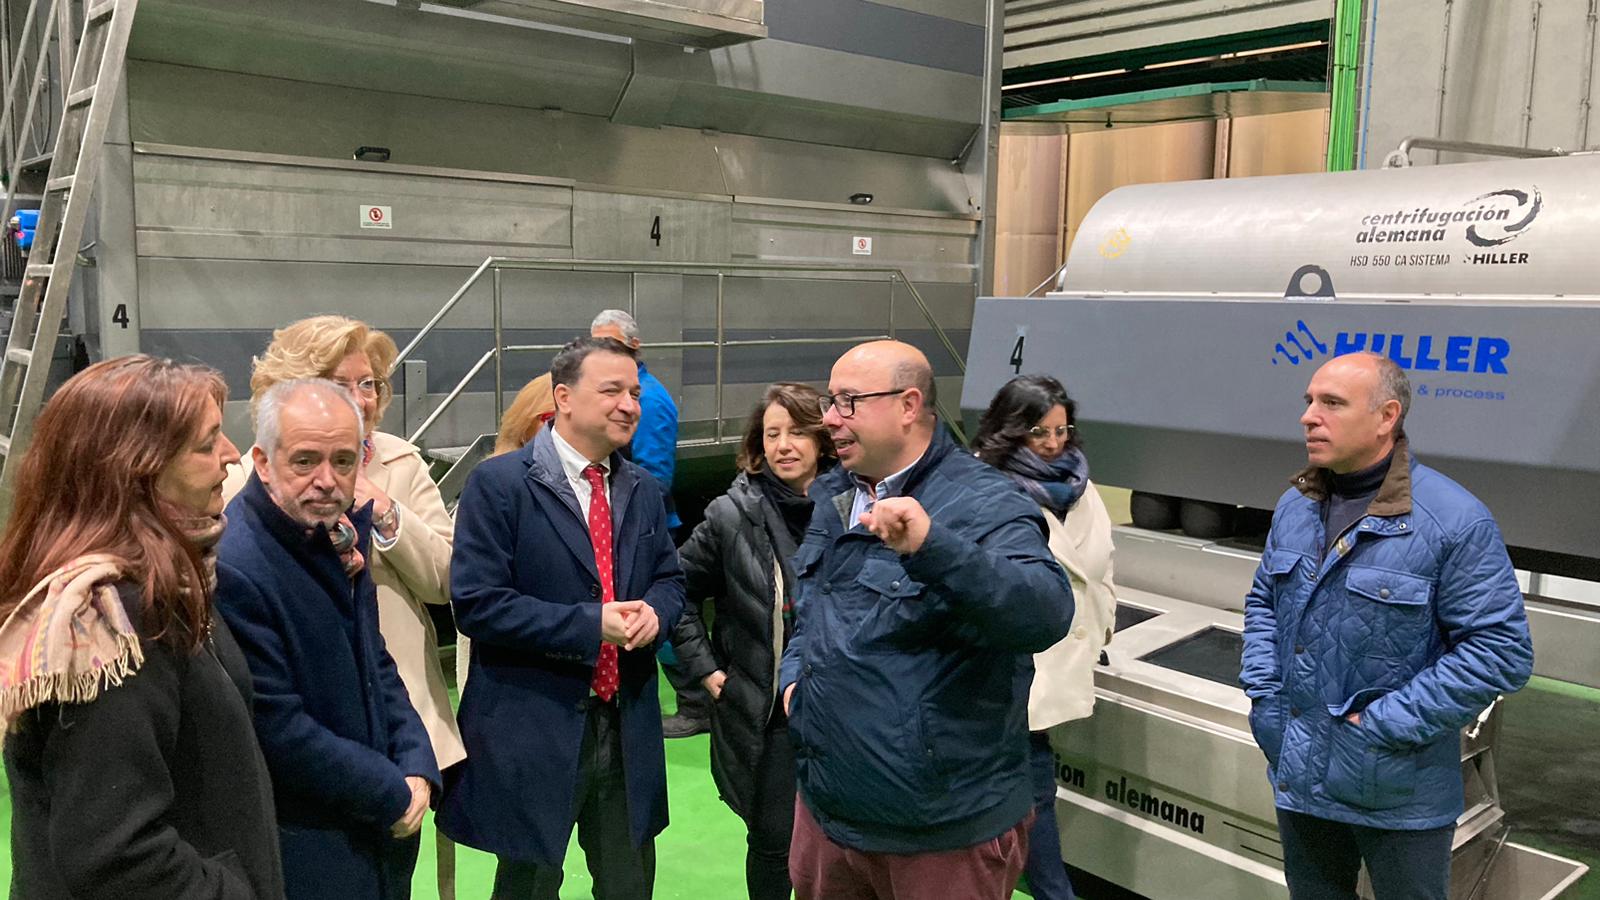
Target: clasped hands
x=629 y=624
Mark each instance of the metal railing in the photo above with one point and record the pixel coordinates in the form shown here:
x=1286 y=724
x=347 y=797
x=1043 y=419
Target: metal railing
x=894 y=276
x=1400 y=157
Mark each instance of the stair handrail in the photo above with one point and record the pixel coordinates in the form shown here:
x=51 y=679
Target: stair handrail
x=895 y=275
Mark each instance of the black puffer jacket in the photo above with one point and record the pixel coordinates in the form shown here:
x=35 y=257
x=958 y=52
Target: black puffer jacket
x=730 y=559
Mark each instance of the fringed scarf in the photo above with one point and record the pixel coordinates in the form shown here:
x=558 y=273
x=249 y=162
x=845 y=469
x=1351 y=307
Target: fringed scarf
x=67 y=639
x=203 y=533
x=71 y=637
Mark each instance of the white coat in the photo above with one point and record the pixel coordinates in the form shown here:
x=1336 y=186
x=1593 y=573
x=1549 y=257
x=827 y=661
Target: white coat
x=1063 y=680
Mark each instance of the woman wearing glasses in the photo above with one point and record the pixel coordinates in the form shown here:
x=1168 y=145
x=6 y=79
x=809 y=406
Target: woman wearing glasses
x=1028 y=433
x=412 y=532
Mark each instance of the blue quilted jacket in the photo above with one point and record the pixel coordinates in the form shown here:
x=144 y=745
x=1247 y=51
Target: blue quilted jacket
x=1413 y=619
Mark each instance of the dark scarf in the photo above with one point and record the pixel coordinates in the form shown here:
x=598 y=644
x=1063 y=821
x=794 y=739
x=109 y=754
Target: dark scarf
x=793 y=517
x=1056 y=486
x=793 y=508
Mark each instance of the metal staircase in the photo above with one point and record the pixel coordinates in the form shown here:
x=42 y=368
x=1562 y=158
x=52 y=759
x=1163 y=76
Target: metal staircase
x=458 y=461
x=96 y=67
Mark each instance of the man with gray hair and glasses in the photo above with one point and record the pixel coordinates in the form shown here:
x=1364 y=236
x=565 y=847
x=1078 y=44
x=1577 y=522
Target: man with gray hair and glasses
x=352 y=767
x=1384 y=617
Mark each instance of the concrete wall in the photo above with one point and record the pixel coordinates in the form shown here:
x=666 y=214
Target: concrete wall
x=1519 y=72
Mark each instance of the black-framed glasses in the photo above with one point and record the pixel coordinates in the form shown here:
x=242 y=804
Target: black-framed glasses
x=846 y=403
x=1062 y=432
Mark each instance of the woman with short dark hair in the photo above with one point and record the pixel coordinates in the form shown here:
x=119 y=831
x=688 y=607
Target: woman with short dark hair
x=131 y=752
x=1030 y=433
x=738 y=558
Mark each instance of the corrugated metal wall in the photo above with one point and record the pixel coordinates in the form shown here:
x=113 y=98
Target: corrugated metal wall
x=1045 y=31
x=1518 y=72
x=242 y=204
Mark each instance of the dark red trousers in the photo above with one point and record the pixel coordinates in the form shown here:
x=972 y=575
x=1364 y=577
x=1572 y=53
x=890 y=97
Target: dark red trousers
x=823 y=870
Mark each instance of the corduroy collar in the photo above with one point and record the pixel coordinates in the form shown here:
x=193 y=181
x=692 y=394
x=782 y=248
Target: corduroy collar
x=1393 y=497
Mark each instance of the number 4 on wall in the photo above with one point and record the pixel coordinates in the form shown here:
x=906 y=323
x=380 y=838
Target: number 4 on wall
x=1016 y=353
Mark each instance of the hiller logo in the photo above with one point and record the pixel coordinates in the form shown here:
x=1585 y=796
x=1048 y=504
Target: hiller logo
x=1421 y=353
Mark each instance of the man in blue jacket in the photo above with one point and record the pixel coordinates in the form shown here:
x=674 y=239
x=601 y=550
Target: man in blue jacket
x=352 y=768
x=564 y=576
x=925 y=588
x=654 y=447
x=1384 y=617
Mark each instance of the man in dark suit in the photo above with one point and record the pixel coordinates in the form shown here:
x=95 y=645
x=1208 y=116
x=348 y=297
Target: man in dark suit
x=352 y=768
x=564 y=576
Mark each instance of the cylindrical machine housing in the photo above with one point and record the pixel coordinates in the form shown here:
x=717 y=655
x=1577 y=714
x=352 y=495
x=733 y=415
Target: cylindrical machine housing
x=1476 y=231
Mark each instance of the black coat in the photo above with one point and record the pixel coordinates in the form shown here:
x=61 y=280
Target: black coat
x=337 y=728
x=155 y=789
x=731 y=560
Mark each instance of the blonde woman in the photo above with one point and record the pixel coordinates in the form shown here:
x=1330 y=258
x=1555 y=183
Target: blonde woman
x=412 y=532
x=534 y=406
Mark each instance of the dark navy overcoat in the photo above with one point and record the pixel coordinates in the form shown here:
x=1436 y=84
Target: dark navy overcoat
x=525 y=590
x=335 y=724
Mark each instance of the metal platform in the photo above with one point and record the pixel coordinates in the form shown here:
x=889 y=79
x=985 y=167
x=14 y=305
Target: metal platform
x=1165 y=779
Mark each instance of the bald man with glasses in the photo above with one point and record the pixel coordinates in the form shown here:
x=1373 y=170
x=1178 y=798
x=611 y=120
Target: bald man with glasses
x=925 y=586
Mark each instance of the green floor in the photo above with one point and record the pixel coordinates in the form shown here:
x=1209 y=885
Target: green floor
x=1549 y=764
x=699 y=857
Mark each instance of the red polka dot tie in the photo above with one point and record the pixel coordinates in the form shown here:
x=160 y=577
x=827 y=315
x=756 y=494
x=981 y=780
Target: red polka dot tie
x=606 y=676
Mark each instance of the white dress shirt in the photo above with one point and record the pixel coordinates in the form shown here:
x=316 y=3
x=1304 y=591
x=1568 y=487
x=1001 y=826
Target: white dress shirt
x=573 y=463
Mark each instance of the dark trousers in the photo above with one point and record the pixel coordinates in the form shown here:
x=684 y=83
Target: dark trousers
x=770 y=819
x=823 y=870
x=1046 y=873
x=1322 y=859
x=621 y=871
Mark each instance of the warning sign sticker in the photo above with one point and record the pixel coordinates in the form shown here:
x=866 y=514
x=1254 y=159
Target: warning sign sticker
x=377 y=217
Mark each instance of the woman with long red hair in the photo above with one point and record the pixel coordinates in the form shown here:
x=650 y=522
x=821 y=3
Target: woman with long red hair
x=129 y=746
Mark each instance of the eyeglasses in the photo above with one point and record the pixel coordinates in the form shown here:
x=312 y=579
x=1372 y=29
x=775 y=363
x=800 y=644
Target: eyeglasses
x=846 y=403
x=366 y=387
x=1062 y=432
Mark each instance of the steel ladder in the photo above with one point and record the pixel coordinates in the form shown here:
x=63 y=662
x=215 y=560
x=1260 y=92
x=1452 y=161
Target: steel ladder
x=91 y=92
